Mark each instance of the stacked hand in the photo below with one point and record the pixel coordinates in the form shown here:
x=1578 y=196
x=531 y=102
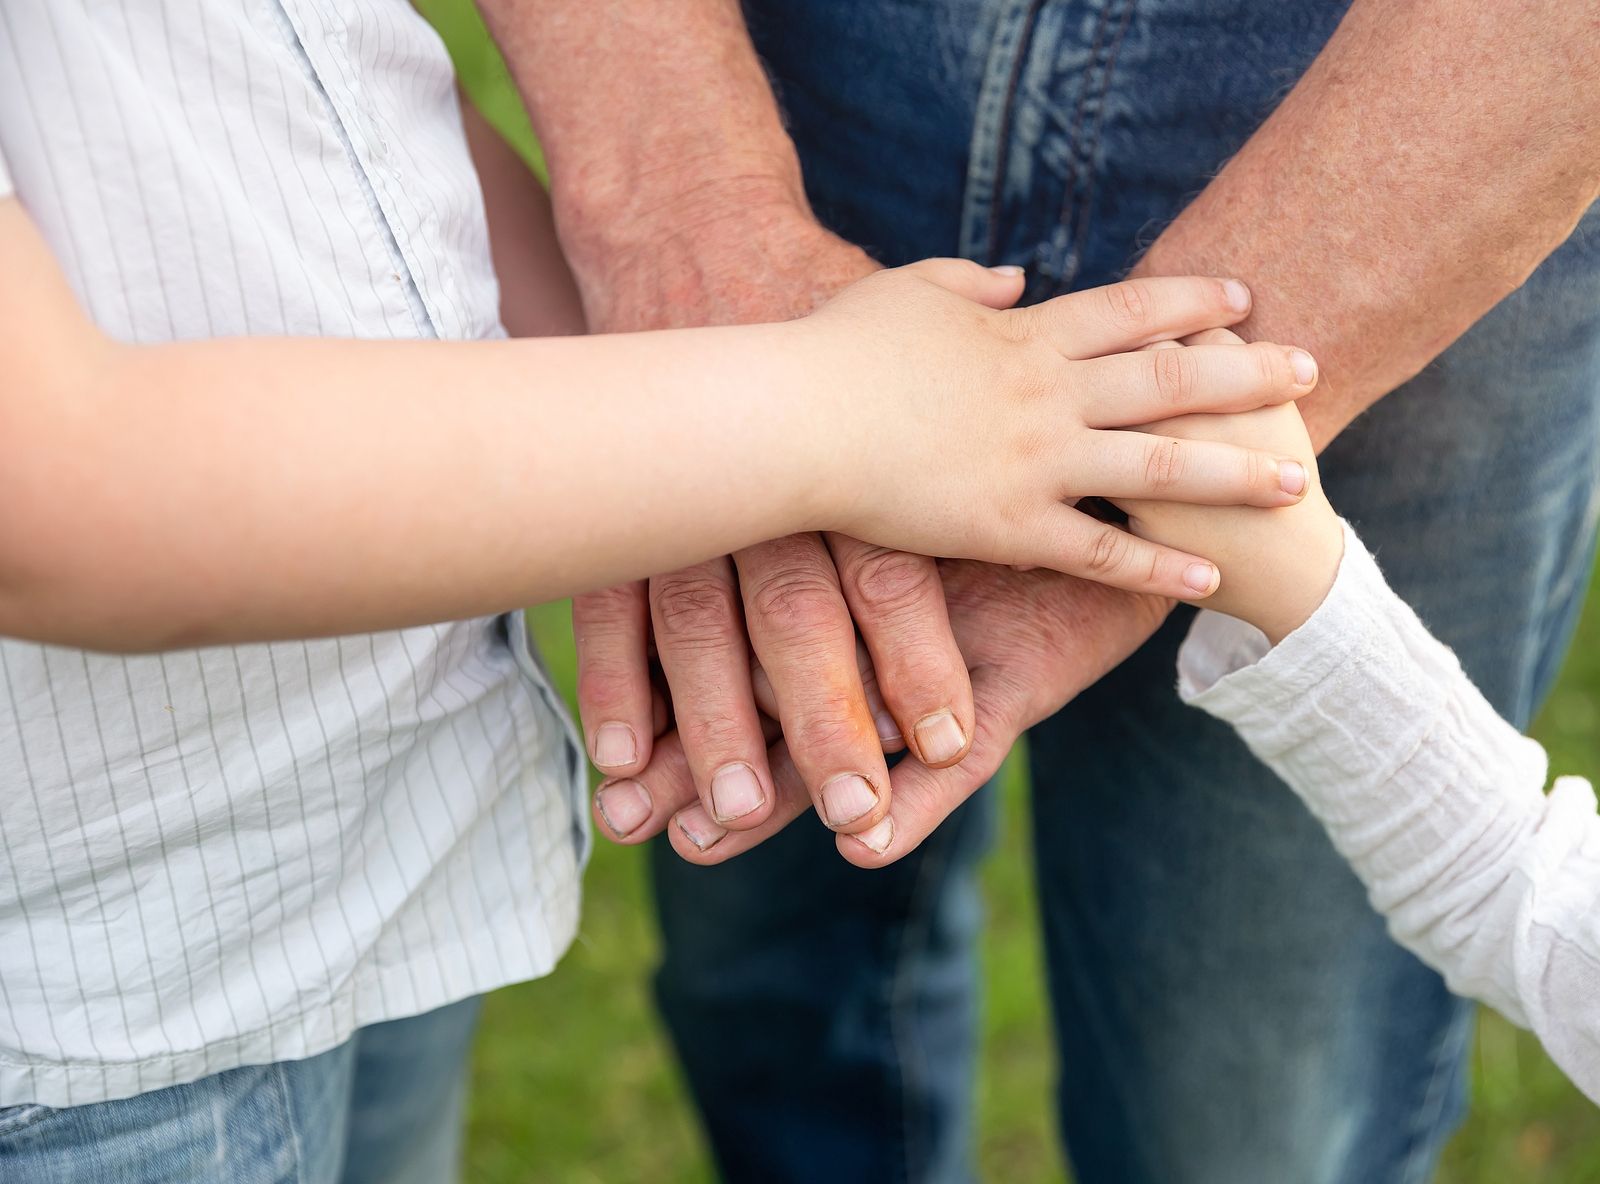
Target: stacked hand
x=954 y=660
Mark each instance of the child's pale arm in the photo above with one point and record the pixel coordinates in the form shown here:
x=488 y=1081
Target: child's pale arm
x=228 y=490
x=1436 y=801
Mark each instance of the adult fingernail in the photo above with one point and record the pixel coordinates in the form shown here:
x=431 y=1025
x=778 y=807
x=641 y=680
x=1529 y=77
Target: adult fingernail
x=1292 y=477
x=940 y=738
x=698 y=828
x=1304 y=367
x=878 y=837
x=1007 y=269
x=625 y=805
x=615 y=745
x=1201 y=578
x=888 y=729
x=846 y=798
x=735 y=791
x=1237 y=294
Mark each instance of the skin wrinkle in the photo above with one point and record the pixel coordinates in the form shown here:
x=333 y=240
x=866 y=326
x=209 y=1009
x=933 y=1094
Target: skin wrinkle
x=1374 y=251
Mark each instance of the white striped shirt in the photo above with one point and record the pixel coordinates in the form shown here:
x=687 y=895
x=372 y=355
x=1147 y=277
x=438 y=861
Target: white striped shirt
x=239 y=855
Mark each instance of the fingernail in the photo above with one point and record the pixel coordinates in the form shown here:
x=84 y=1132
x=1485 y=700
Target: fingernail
x=615 y=746
x=1201 y=578
x=698 y=828
x=940 y=738
x=625 y=805
x=878 y=837
x=1292 y=477
x=1238 y=295
x=846 y=798
x=1007 y=269
x=735 y=791
x=1304 y=367
x=888 y=729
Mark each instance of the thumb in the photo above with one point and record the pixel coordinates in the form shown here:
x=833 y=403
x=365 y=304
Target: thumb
x=997 y=287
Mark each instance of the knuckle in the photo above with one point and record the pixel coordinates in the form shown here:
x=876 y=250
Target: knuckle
x=696 y=610
x=1175 y=376
x=606 y=607
x=1272 y=368
x=716 y=734
x=606 y=686
x=830 y=729
x=1256 y=475
x=1163 y=465
x=889 y=583
x=797 y=602
x=1128 y=304
x=1108 y=551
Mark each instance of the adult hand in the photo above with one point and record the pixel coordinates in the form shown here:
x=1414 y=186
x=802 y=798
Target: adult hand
x=796 y=602
x=1032 y=639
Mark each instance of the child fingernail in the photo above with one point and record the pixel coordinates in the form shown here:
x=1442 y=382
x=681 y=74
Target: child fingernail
x=1009 y=270
x=1201 y=578
x=1292 y=477
x=1237 y=294
x=1304 y=367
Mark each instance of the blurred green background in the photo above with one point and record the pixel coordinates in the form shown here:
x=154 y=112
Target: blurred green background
x=574 y=1081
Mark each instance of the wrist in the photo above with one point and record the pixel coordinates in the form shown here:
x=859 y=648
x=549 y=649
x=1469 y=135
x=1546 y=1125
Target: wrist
x=605 y=223
x=1303 y=573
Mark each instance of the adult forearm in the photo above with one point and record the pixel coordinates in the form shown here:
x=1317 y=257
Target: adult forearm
x=1430 y=158
x=649 y=114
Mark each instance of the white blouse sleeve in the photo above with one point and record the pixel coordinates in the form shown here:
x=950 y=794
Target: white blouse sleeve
x=1435 y=800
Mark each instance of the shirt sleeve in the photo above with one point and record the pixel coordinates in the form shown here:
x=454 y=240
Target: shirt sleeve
x=1436 y=801
x=5 y=177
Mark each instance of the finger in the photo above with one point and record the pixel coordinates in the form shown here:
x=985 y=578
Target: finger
x=923 y=796
x=1214 y=337
x=663 y=798
x=1125 y=390
x=898 y=605
x=1200 y=472
x=883 y=720
x=997 y=287
x=615 y=697
x=1134 y=313
x=698 y=839
x=801 y=630
x=700 y=641
x=629 y=810
x=1070 y=541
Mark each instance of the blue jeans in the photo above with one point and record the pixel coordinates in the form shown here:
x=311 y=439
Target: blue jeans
x=385 y=1107
x=1228 y=1008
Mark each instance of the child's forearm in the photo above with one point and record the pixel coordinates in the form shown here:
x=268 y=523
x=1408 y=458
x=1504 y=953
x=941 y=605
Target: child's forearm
x=255 y=488
x=1434 y=799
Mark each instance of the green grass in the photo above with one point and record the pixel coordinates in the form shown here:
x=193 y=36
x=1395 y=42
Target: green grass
x=573 y=1079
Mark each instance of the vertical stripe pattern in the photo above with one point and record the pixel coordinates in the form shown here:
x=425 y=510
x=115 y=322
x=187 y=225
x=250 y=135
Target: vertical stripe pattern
x=239 y=855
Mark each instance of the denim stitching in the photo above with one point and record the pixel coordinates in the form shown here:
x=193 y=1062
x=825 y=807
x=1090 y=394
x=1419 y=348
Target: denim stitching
x=1415 y=1162
x=281 y=1075
x=930 y=874
x=1102 y=62
x=991 y=133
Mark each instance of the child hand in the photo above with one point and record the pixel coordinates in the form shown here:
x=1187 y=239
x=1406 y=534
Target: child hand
x=969 y=431
x=1277 y=564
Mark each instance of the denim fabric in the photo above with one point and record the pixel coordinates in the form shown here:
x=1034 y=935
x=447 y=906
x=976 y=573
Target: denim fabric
x=385 y=1107
x=1228 y=1007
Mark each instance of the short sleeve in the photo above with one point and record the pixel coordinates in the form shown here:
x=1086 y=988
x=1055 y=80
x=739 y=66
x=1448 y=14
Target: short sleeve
x=5 y=176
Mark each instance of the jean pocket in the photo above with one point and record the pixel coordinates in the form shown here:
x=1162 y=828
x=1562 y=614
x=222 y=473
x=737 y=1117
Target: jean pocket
x=20 y=1118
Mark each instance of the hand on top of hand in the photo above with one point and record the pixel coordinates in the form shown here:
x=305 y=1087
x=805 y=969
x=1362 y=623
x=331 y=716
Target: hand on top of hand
x=1001 y=418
